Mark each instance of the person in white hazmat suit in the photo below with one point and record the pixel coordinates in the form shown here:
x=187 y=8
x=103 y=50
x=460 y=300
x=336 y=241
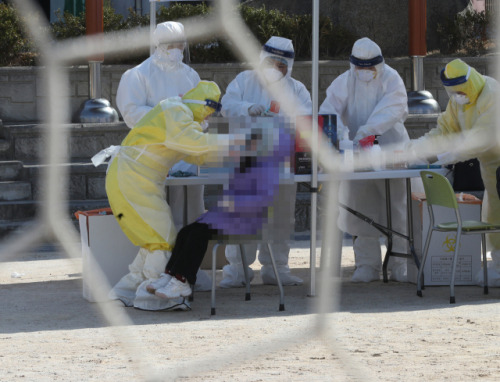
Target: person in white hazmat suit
x=135 y=185
x=468 y=128
x=161 y=76
x=247 y=96
x=370 y=99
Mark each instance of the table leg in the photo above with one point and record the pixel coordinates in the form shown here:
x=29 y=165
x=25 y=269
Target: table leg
x=389 y=226
x=409 y=207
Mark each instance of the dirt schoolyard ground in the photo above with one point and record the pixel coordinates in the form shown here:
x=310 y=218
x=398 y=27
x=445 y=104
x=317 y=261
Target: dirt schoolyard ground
x=48 y=332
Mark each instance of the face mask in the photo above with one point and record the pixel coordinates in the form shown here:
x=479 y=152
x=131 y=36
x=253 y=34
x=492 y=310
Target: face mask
x=174 y=55
x=365 y=75
x=272 y=75
x=461 y=99
x=167 y=59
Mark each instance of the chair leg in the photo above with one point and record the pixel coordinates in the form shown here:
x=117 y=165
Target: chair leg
x=485 y=264
x=214 y=270
x=420 y=276
x=282 y=293
x=245 y=272
x=454 y=266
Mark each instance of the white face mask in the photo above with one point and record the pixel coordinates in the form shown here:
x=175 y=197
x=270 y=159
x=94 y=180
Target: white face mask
x=175 y=55
x=272 y=75
x=167 y=59
x=461 y=99
x=365 y=75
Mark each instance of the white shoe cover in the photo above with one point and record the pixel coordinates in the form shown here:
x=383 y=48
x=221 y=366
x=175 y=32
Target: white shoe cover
x=158 y=283
x=365 y=274
x=398 y=269
x=147 y=301
x=233 y=278
x=124 y=290
x=203 y=281
x=286 y=277
x=493 y=276
x=174 y=289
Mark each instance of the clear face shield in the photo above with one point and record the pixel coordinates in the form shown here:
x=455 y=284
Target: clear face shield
x=177 y=46
x=454 y=87
x=170 y=55
x=274 y=68
x=365 y=70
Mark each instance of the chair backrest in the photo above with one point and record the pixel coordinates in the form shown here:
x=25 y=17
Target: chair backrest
x=438 y=190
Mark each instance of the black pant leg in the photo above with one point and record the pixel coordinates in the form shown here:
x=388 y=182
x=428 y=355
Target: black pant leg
x=180 y=243
x=190 y=252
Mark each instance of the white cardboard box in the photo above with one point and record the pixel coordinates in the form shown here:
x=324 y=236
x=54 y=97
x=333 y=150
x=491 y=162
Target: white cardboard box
x=437 y=270
x=104 y=246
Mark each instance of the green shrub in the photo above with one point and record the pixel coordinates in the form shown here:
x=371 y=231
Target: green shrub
x=15 y=46
x=466 y=32
x=262 y=22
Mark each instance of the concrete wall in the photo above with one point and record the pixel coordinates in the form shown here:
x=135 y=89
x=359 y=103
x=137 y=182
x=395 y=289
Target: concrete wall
x=86 y=186
x=22 y=94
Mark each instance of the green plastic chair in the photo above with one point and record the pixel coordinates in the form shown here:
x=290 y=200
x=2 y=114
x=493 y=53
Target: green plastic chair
x=439 y=192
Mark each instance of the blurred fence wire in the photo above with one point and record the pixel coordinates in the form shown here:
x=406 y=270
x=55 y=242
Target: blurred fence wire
x=52 y=224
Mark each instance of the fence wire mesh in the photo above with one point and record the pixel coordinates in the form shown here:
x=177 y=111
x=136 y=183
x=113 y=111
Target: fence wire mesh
x=52 y=223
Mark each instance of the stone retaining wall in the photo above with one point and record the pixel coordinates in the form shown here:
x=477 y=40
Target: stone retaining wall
x=86 y=183
x=22 y=94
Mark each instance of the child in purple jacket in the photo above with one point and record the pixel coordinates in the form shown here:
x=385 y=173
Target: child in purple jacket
x=243 y=210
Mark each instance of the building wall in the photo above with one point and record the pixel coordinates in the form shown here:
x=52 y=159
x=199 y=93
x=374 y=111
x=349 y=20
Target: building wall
x=22 y=95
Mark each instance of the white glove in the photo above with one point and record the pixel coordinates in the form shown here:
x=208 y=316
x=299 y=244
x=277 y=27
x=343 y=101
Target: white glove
x=256 y=110
x=446 y=158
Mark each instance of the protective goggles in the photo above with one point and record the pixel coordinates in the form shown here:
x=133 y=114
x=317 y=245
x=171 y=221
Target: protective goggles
x=278 y=52
x=208 y=102
x=366 y=63
x=454 y=81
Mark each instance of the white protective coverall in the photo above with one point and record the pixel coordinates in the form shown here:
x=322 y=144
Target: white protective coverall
x=161 y=76
x=144 y=86
x=135 y=185
x=374 y=106
x=243 y=93
x=468 y=131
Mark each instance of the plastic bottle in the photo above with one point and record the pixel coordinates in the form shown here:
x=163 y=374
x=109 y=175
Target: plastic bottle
x=376 y=154
x=346 y=147
x=330 y=129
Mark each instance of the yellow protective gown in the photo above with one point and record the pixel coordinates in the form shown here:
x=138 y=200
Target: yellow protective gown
x=475 y=122
x=136 y=176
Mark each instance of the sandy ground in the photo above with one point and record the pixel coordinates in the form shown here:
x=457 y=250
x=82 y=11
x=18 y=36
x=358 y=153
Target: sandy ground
x=48 y=332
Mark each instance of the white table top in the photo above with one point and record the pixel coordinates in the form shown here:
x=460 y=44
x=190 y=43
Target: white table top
x=219 y=178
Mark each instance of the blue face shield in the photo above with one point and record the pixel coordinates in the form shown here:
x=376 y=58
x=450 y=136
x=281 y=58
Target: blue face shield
x=454 y=81
x=214 y=105
x=278 y=52
x=366 y=63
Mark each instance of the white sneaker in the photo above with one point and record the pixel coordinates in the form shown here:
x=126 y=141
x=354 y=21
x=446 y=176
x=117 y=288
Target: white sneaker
x=174 y=289
x=365 y=274
x=159 y=283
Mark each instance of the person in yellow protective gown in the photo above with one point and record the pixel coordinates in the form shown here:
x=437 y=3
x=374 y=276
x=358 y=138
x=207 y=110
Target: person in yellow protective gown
x=467 y=129
x=135 y=184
